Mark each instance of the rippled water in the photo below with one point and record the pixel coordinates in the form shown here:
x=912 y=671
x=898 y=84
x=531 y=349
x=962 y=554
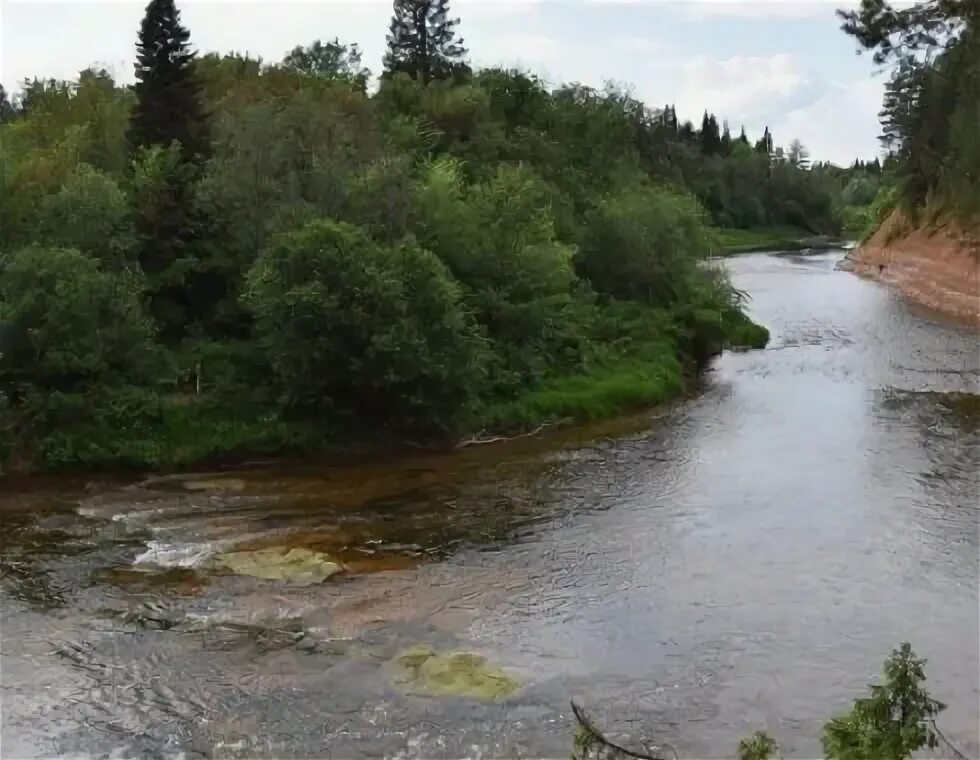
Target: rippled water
x=743 y=560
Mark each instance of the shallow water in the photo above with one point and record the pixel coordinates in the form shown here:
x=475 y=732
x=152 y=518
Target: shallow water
x=743 y=560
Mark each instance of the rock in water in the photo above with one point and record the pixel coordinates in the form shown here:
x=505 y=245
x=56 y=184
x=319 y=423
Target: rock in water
x=458 y=674
x=298 y=566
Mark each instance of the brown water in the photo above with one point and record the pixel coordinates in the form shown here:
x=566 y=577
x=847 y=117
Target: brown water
x=744 y=560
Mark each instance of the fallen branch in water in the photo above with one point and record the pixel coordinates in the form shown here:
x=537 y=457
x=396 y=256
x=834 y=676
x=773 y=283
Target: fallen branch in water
x=947 y=743
x=502 y=438
x=589 y=736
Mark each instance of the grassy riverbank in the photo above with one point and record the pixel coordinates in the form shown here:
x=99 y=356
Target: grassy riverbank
x=139 y=429
x=776 y=238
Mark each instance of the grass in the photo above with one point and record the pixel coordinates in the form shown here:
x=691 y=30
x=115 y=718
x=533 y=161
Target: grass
x=175 y=433
x=599 y=392
x=774 y=238
x=745 y=333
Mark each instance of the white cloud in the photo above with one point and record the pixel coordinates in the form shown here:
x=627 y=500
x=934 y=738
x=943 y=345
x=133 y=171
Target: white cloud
x=538 y=52
x=750 y=8
x=737 y=88
x=767 y=8
x=839 y=126
x=632 y=44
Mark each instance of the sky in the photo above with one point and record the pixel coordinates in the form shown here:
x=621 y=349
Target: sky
x=776 y=63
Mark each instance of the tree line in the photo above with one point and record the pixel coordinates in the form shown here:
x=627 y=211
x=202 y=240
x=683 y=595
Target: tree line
x=237 y=256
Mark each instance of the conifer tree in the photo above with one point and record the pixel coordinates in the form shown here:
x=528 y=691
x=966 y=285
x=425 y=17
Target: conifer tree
x=764 y=145
x=168 y=100
x=710 y=136
x=743 y=137
x=422 y=41
x=726 y=140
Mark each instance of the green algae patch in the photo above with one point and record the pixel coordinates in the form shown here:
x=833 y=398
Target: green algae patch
x=298 y=566
x=455 y=674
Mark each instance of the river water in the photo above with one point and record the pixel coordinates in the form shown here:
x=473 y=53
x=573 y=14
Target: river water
x=745 y=559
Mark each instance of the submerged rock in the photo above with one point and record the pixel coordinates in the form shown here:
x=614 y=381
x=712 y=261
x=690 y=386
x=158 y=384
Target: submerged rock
x=457 y=674
x=299 y=566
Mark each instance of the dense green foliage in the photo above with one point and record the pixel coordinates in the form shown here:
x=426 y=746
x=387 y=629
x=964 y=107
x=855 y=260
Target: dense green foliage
x=375 y=331
x=932 y=103
x=293 y=256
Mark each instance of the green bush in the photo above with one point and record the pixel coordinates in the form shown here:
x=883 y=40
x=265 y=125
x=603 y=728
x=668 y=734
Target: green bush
x=90 y=213
x=643 y=244
x=498 y=235
x=351 y=325
x=67 y=323
x=498 y=238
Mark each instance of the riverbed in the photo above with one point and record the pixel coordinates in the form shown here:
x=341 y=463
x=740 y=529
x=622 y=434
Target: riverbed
x=744 y=559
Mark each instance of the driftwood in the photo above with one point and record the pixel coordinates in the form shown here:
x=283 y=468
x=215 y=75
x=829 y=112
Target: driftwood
x=502 y=438
x=947 y=744
x=590 y=737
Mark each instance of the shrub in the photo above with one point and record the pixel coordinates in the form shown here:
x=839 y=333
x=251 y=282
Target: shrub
x=67 y=323
x=498 y=238
x=495 y=235
x=643 y=244
x=350 y=324
x=90 y=213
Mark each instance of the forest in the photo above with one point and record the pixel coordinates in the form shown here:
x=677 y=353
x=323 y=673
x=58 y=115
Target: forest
x=233 y=257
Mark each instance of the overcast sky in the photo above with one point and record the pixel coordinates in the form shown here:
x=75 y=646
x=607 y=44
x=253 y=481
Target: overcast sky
x=778 y=62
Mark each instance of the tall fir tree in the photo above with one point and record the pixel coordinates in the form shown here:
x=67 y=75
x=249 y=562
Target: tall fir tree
x=726 y=140
x=710 y=136
x=743 y=138
x=188 y=274
x=764 y=145
x=422 y=41
x=168 y=92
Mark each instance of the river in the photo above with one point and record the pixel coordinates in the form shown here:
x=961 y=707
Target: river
x=745 y=559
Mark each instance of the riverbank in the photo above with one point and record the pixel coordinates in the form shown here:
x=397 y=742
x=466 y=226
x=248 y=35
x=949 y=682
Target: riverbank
x=936 y=267
x=137 y=430
x=734 y=241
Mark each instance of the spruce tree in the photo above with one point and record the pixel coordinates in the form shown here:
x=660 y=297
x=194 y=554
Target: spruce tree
x=422 y=41
x=726 y=140
x=710 y=136
x=743 y=138
x=765 y=143
x=168 y=93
